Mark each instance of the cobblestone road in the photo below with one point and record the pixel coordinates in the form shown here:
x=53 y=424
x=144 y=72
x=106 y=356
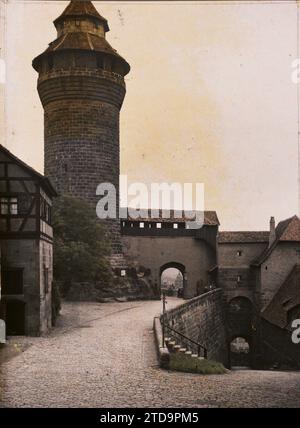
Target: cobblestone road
x=102 y=355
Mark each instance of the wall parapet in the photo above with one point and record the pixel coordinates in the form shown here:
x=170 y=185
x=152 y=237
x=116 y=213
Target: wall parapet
x=202 y=319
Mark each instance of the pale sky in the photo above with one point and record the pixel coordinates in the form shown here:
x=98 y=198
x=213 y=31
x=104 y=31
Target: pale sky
x=209 y=98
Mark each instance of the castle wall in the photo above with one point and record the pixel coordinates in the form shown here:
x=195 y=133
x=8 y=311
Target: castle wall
x=235 y=276
x=153 y=252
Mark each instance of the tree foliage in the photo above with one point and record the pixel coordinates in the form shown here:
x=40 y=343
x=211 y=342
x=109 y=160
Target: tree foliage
x=80 y=245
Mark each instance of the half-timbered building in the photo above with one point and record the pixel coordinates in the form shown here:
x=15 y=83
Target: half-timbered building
x=26 y=247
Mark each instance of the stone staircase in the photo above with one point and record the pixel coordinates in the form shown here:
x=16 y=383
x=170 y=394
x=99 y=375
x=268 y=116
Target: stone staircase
x=176 y=347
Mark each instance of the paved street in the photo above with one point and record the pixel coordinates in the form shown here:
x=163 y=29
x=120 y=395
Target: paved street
x=103 y=355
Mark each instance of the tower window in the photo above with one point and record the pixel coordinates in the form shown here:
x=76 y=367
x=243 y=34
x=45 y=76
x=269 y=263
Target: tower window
x=77 y=23
x=99 y=62
x=50 y=62
x=239 y=253
x=239 y=278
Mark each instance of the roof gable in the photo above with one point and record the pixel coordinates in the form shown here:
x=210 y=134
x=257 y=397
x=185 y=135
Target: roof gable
x=286 y=231
x=291 y=231
x=286 y=298
x=44 y=182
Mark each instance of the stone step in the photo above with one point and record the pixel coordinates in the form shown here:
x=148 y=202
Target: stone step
x=176 y=348
x=188 y=352
x=183 y=350
x=194 y=355
x=172 y=343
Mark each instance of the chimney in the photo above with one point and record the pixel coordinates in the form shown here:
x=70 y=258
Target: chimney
x=272 y=235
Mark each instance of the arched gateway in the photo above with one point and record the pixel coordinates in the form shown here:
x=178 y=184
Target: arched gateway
x=177 y=273
x=164 y=242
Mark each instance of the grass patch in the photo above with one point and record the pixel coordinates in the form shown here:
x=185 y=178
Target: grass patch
x=185 y=363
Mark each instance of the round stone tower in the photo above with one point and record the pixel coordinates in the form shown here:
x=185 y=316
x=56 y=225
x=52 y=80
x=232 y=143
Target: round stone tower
x=81 y=87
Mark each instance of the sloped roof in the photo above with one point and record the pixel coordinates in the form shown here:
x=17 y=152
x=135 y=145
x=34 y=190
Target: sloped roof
x=243 y=237
x=287 y=230
x=84 y=41
x=82 y=8
x=44 y=181
x=286 y=298
x=210 y=218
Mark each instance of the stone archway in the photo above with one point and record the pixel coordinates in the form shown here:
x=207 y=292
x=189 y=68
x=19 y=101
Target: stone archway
x=240 y=317
x=179 y=267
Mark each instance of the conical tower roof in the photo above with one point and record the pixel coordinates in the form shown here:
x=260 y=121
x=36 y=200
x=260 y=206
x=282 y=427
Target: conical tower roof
x=82 y=8
x=73 y=37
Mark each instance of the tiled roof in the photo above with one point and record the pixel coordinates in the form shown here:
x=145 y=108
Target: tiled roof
x=242 y=237
x=286 y=230
x=289 y=230
x=286 y=298
x=82 y=8
x=210 y=218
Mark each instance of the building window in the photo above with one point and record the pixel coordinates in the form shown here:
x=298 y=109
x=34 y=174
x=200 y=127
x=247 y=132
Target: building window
x=9 y=206
x=46 y=280
x=158 y=225
x=123 y=272
x=239 y=253
x=142 y=225
x=175 y=226
x=239 y=278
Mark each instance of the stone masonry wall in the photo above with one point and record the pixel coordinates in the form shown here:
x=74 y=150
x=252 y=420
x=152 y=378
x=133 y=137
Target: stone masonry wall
x=203 y=319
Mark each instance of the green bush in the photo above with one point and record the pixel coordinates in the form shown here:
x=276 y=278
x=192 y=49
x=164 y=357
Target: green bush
x=80 y=245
